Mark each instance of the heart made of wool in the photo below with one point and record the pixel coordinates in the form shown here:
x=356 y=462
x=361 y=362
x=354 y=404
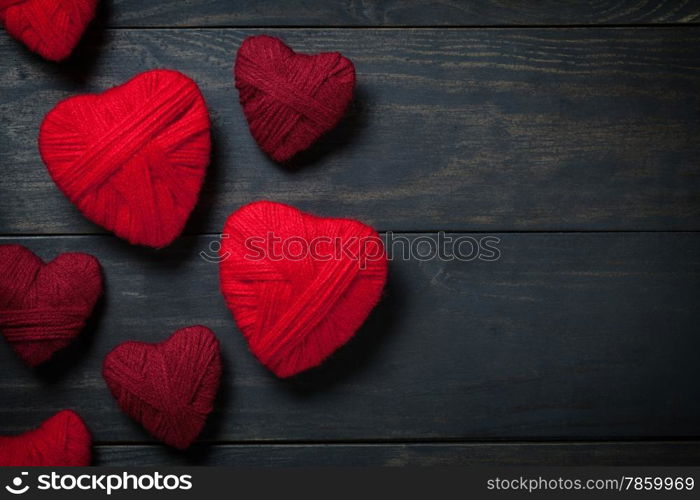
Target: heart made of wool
x=133 y=158
x=43 y=307
x=52 y=28
x=168 y=387
x=299 y=286
x=290 y=99
x=61 y=441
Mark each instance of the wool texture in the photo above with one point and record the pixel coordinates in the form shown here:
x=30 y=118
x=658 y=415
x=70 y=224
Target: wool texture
x=51 y=28
x=43 y=307
x=299 y=286
x=290 y=99
x=61 y=441
x=168 y=387
x=133 y=158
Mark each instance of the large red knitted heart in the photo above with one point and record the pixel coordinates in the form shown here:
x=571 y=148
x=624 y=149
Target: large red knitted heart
x=134 y=157
x=290 y=99
x=51 y=28
x=299 y=286
x=44 y=306
x=62 y=440
x=168 y=387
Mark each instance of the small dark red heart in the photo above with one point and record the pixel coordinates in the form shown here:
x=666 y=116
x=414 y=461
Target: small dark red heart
x=133 y=158
x=52 y=28
x=290 y=99
x=299 y=286
x=43 y=307
x=62 y=440
x=168 y=387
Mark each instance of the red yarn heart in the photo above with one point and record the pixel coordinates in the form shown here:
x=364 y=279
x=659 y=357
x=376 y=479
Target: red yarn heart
x=62 y=440
x=290 y=99
x=134 y=157
x=52 y=28
x=168 y=387
x=44 y=306
x=299 y=286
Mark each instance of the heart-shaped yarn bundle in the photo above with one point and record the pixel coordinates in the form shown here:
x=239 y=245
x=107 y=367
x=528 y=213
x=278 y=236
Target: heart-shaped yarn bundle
x=61 y=441
x=299 y=286
x=43 y=307
x=133 y=158
x=290 y=99
x=168 y=387
x=51 y=28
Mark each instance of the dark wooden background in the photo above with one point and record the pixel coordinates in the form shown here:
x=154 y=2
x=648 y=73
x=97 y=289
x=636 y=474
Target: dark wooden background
x=570 y=130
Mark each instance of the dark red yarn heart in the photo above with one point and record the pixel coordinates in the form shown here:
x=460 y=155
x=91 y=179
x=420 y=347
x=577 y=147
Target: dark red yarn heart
x=290 y=99
x=62 y=440
x=52 y=28
x=295 y=307
x=168 y=387
x=44 y=306
x=133 y=158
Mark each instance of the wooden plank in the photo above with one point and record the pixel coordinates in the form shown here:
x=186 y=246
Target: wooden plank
x=680 y=453
x=573 y=336
x=584 y=129
x=395 y=12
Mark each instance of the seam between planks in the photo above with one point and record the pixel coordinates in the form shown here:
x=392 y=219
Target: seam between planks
x=407 y=27
x=432 y=441
x=394 y=231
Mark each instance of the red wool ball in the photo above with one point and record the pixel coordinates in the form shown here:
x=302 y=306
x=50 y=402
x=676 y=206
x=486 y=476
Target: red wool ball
x=61 y=441
x=43 y=307
x=133 y=158
x=299 y=286
x=168 y=387
x=52 y=28
x=290 y=99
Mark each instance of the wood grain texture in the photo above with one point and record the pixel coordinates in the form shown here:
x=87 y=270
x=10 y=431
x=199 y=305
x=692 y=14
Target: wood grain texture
x=678 y=453
x=585 y=335
x=465 y=129
x=163 y=13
